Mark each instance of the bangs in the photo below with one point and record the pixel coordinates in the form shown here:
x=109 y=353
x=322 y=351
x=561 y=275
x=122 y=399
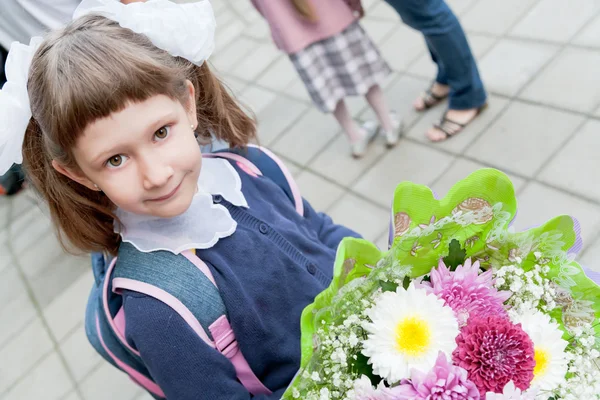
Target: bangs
x=90 y=74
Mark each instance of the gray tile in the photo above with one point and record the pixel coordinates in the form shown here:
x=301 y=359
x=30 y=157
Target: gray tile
x=460 y=170
x=570 y=81
x=383 y=10
x=22 y=353
x=6 y=258
x=400 y=95
x=67 y=311
x=297 y=89
x=336 y=163
x=576 y=166
x=597 y=113
x=229 y=33
x=4 y=211
x=512 y=63
x=319 y=192
x=20 y=311
x=425 y=67
x=307 y=137
x=256 y=99
x=54 y=280
x=30 y=261
x=38 y=226
x=556 y=20
x=591 y=256
x=460 y=142
x=539 y=203
x=590 y=35
x=227 y=58
x=360 y=215
x=254 y=64
x=279 y=75
x=402 y=47
x=48 y=380
x=72 y=396
x=107 y=382
x=523 y=138
x=378 y=30
x=495 y=17
x=144 y=396
x=80 y=355
x=460 y=6
x=11 y=285
x=407 y=162
x=234 y=86
x=258 y=30
x=20 y=204
x=276 y=118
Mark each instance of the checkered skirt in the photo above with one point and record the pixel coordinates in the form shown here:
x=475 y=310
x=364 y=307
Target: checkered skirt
x=347 y=64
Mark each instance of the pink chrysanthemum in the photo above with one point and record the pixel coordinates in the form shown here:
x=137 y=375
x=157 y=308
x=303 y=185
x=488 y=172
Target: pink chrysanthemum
x=467 y=292
x=494 y=351
x=444 y=381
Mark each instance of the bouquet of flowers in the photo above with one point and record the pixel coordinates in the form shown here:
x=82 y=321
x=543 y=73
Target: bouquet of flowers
x=460 y=307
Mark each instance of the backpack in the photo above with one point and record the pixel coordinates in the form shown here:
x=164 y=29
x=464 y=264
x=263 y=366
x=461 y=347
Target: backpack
x=141 y=272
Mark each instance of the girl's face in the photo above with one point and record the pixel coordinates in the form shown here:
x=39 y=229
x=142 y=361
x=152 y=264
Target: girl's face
x=145 y=158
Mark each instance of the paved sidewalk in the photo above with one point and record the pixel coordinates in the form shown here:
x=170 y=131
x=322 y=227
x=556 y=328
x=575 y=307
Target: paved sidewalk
x=540 y=61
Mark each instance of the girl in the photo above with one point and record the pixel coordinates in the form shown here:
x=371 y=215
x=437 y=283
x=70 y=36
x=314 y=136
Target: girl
x=335 y=59
x=111 y=145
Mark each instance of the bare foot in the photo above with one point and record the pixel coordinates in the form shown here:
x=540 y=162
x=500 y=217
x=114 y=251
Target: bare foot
x=456 y=120
x=425 y=100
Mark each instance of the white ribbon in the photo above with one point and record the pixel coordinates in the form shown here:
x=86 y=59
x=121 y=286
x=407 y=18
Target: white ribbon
x=184 y=30
x=15 y=109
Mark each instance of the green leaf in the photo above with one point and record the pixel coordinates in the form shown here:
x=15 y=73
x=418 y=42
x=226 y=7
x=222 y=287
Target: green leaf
x=388 y=286
x=362 y=367
x=456 y=255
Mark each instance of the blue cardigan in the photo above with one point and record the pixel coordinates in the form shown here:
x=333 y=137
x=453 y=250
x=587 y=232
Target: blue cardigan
x=274 y=265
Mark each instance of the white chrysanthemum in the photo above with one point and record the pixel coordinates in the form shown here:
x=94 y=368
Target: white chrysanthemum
x=549 y=346
x=408 y=330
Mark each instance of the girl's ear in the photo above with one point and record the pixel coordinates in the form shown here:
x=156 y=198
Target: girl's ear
x=74 y=175
x=191 y=104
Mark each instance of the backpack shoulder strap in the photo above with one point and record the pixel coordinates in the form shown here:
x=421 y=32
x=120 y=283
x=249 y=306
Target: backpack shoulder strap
x=262 y=161
x=189 y=288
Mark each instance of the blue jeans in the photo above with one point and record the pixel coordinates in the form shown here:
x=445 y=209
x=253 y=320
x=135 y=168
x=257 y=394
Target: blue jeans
x=449 y=49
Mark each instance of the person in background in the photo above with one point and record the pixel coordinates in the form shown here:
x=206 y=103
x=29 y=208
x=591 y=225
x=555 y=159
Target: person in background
x=457 y=78
x=335 y=58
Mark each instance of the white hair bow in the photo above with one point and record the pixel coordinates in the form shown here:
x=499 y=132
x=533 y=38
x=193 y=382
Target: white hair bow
x=183 y=30
x=15 y=109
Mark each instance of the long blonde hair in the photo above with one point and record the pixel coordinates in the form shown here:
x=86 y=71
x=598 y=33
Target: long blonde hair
x=306 y=9
x=84 y=72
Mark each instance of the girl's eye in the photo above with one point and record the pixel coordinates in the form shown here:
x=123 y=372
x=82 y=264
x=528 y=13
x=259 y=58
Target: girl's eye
x=162 y=133
x=116 y=161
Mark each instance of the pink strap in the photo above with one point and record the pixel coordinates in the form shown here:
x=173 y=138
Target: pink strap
x=224 y=338
x=226 y=343
x=191 y=256
x=120 y=334
x=168 y=299
x=136 y=376
x=286 y=172
x=237 y=158
x=288 y=176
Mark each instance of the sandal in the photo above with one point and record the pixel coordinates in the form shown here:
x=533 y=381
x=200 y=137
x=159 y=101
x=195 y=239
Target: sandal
x=431 y=99
x=450 y=128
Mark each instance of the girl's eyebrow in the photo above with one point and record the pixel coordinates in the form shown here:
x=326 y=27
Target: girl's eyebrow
x=153 y=126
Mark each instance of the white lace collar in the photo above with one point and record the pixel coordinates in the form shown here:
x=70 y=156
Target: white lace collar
x=201 y=226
